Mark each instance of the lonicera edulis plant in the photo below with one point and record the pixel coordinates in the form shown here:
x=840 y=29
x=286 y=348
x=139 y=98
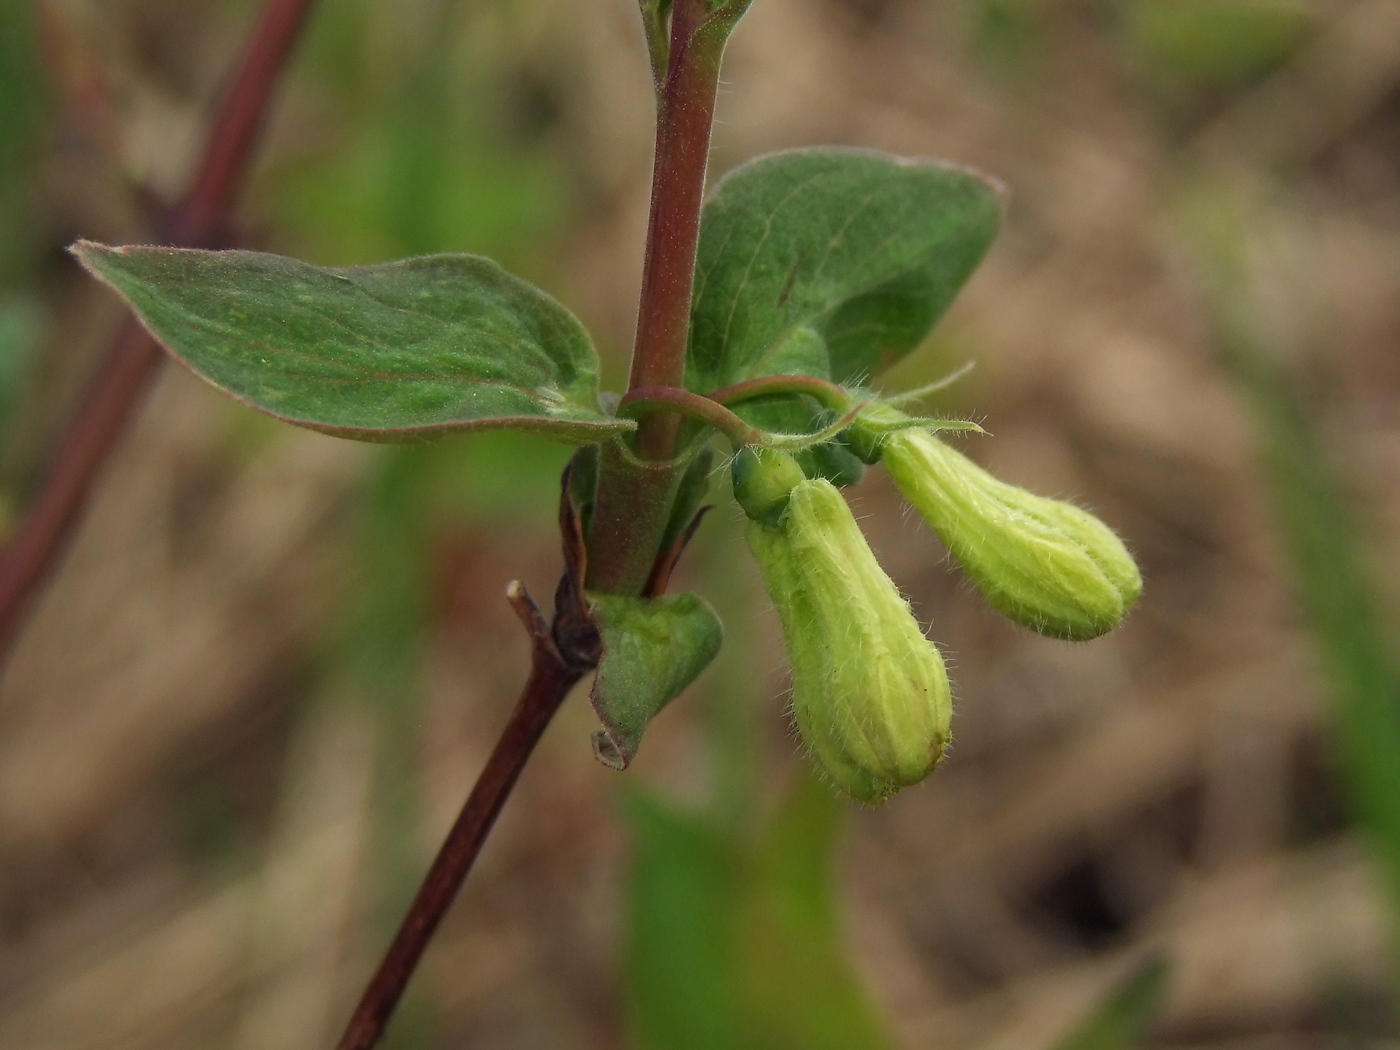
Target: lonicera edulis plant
x=767 y=314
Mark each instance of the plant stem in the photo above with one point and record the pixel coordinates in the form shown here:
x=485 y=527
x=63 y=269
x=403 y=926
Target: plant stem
x=630 y=515
x=829 y=395
x=131 y=362
x=643 y=401
x=634 y=495
x=685 y=114
x=633 y=503
x=239 y=124
x=551 y=678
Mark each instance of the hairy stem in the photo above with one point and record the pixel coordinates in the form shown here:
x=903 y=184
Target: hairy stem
x=131 y=363
x=551 y=678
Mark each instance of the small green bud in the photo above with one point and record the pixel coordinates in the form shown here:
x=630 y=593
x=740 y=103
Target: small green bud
x=869 y=692
x=763 y=480
x=1044 y=563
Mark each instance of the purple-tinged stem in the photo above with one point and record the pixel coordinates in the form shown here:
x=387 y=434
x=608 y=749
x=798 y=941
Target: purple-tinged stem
x=551 y=678
x=635 y=491
x=827 y=394
x=131 y=363
x=643 y=401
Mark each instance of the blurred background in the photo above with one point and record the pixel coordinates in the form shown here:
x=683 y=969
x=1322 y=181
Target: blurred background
x=249 y=705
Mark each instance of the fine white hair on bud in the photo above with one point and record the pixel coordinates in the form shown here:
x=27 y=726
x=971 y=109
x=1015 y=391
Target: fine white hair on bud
x=1047 y=564
x=870 y=693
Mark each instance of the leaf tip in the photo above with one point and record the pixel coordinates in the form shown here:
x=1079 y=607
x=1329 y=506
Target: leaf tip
x=98 y=259
x=83 y=250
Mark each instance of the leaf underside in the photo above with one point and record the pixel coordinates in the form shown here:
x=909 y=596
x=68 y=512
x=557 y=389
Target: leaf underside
x=831 y=262
x=401 y=351
x=652 y=649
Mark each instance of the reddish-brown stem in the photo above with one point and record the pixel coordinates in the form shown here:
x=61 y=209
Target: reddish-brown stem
x=642 y=401
x=630 y=515
x=634 y=495
x=633 y=503
x=234 y=135
x=685 y=114
x=827 y=394
x=132 y=361
x=551 y=678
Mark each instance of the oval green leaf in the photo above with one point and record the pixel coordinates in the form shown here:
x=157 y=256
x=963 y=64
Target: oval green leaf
x=400 y=351
x=831 y=262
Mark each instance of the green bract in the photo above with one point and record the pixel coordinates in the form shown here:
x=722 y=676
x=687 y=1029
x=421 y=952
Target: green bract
x=869 y=691
x=1044 y=563
x=653 y=648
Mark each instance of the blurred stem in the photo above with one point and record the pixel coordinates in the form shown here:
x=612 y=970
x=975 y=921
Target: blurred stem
x=634 y=498
x=130 y=365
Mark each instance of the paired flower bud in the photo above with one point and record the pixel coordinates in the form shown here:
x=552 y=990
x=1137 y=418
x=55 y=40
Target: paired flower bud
x=869 y=692
x=1044 y=563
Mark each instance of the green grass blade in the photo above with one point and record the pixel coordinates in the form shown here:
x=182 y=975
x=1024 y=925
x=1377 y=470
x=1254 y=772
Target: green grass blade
x=1119 y=1021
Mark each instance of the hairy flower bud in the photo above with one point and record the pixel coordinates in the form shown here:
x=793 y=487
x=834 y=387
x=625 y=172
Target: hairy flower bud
x=1044 y=563
x=869 y=692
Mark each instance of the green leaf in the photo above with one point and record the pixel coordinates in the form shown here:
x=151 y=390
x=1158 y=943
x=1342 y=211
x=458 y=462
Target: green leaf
x=830 y=262
x=788 y=414
x=21 y=328
x=652 y=649
x=682 y=931
x=401 y=351
x=1121 y=1019
x=1333 y=580
x=734 y=941
x=798 y=985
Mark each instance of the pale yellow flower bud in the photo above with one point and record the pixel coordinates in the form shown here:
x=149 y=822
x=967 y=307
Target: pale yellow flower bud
x=869 y=692
x=1044 y=563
